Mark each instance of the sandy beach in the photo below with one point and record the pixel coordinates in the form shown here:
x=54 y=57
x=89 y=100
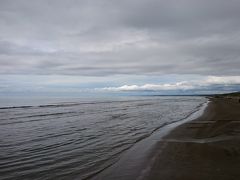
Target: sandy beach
x=207 y=148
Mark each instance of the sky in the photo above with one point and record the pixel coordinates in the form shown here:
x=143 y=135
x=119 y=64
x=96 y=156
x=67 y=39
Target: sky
x=112 y=46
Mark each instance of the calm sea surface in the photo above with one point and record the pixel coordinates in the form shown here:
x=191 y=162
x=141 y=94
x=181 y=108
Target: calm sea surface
x=75 y=139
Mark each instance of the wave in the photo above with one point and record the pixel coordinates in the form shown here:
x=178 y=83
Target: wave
x=80 y=141
x=65 y=104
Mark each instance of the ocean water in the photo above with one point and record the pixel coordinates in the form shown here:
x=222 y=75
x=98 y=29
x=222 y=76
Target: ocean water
x=76 y=139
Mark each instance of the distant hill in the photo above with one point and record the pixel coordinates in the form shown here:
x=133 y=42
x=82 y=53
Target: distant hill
x=234 y=94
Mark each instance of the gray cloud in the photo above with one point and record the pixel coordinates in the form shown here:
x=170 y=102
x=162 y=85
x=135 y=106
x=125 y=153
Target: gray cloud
x=102 y=38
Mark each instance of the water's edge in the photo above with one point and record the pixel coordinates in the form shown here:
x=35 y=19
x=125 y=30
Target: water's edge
x=136 y=161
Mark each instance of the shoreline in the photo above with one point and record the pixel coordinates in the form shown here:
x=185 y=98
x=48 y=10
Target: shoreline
x=137 y=161
x=205 y=148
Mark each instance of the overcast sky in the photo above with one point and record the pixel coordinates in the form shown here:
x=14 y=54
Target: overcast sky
x=119 y=45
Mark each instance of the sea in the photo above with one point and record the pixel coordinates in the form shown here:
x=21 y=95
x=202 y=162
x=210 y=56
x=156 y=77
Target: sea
x=54 y=139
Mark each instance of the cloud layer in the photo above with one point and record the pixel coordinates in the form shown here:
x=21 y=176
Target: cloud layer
x=225 y=83
x=104 y=38
x=116 y=46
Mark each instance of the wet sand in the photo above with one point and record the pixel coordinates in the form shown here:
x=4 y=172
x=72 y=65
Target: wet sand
x=136 y=162
x=207 y=148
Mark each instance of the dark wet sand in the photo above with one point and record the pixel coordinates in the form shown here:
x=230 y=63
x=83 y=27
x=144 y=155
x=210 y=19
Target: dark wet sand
x=207 y=148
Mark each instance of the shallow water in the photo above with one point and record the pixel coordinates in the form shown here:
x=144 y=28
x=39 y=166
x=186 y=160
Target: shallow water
x=76 y=139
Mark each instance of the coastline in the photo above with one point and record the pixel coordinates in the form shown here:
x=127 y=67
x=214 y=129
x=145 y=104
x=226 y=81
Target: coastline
x=137 y=161
x=205 y=148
